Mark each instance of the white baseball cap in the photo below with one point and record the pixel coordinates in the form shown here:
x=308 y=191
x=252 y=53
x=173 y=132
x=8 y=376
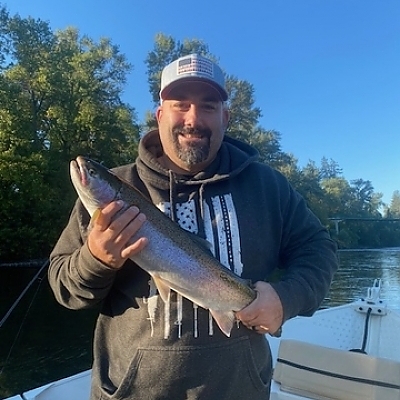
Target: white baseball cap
x=192 y=68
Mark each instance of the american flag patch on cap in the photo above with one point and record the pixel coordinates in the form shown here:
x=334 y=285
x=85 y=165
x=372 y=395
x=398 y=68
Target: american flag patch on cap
x=195 y=65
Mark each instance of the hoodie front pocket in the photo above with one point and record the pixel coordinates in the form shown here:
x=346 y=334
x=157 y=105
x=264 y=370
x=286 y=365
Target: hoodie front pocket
x=225 y=370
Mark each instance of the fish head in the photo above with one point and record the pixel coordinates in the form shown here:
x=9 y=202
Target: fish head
x=96 y=185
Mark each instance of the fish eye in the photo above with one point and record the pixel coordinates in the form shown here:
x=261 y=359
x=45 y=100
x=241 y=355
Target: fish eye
x=92 y=171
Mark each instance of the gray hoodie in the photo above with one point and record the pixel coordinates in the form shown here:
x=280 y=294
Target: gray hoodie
x=256 y=223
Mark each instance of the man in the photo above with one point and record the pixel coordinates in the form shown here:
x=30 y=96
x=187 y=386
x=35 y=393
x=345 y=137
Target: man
x=212 y=186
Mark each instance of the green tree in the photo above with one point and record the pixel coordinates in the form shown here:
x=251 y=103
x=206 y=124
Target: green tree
x=59 y=97
x=167 y=49
x=84 y=112
x=339 y=197
x=366 y=202
x=330 y=169
x=244 y=115
x=71 y=87
x=244 y=123
x=394 y=208
x=292 y=171
x=311 y=190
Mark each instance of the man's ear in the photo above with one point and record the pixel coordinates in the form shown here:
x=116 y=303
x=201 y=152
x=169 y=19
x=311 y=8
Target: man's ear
x=158 y=113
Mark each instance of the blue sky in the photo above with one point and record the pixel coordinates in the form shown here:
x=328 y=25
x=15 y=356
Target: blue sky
x=326 y=73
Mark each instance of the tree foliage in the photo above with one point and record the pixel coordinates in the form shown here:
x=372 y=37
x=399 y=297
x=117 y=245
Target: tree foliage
x=59 y=97
x=167 y=49
x=394 y=208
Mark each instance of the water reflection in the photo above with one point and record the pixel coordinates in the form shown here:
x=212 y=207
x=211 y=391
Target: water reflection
x=358 y=270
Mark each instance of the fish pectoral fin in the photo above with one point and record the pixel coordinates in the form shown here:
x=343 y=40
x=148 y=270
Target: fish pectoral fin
x=95 y=216
x=224 y=320
x=162 y=287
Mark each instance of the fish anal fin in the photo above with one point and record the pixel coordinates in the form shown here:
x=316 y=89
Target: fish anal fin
x=224 y=320
x=162 y=287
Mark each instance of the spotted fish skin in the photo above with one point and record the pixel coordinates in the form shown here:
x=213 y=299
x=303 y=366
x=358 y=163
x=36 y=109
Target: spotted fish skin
x=173 y=258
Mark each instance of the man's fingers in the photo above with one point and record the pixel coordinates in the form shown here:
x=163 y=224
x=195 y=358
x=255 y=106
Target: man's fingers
x=134 y=248
x=127 y=226
x=114 y=237
x=122 y=221
x=249 y=313
x=101 y=219
x=265 y=313
x=127 y=239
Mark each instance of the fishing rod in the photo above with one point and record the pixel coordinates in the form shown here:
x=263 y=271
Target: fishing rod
x=4 y=319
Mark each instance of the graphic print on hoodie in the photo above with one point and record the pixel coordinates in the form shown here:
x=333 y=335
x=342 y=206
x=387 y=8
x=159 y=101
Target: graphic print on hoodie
x=221 y=232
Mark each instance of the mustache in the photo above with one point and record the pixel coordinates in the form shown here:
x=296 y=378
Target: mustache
x=180 y=130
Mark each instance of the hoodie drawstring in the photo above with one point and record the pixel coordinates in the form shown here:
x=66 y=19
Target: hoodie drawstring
x=172 y=191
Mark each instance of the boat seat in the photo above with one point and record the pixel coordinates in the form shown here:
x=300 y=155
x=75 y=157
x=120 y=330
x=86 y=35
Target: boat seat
x=322 y=373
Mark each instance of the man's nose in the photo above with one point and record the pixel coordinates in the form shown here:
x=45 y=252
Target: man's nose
x=193 y=116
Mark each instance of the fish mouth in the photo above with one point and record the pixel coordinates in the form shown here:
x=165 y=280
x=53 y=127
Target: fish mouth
x=79 y=172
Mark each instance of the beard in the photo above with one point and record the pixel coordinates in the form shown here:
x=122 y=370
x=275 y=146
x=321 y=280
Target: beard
x=192 y=153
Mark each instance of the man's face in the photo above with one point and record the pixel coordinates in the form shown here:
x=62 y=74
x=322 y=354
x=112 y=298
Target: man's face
x=192 y=122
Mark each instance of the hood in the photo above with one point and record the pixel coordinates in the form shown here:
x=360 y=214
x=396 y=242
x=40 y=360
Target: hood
x=232 y=158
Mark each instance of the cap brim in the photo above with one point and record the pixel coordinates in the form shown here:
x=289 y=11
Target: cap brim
x=173 y=85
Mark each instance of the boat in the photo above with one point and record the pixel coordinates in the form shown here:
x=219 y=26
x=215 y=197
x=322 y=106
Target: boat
x=346 y=352
x=75 y=387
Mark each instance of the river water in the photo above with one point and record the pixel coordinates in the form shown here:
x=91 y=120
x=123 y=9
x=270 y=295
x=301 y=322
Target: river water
x=358 y=270
x=42 y=341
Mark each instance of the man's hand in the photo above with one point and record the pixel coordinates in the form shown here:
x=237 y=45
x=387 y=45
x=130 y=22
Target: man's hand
x=110 y=238
x=265 y=313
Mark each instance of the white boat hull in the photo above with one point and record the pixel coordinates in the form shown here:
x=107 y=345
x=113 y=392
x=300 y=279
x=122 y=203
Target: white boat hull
x=75 y=387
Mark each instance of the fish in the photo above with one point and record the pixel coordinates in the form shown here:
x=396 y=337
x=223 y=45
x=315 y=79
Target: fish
x=173 y=257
